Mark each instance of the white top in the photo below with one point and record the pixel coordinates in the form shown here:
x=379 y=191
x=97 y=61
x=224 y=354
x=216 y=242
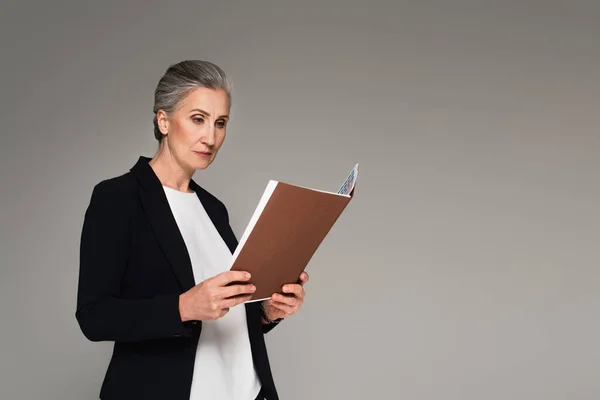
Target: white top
x=223 y=369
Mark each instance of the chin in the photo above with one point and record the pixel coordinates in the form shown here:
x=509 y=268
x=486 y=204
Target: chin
x=197 y=161
x=200 y=164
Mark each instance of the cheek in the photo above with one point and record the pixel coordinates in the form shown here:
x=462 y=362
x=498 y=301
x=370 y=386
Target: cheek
x=184 y=134
x=220 y=139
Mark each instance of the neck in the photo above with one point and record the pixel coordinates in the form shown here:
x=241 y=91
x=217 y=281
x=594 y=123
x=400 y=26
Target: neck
x=169 y=170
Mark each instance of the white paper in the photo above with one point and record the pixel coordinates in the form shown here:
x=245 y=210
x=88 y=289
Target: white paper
x=350 y=181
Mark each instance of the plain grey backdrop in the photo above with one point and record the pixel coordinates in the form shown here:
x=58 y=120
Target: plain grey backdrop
x=466 y=267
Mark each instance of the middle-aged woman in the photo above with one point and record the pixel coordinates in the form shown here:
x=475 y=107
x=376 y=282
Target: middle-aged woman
x=154 y=252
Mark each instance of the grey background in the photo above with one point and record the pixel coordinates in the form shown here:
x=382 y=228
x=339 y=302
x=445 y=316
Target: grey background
x=467 y=265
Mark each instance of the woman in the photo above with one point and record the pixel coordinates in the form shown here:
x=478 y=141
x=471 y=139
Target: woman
x=155 y=247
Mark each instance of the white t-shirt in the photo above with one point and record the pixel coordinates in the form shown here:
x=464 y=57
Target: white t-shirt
x=224 y=369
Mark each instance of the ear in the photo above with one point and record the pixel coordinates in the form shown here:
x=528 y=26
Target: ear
x=163 y=121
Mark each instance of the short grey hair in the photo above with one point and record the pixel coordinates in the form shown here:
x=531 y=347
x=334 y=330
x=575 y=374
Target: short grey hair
x=180 y=79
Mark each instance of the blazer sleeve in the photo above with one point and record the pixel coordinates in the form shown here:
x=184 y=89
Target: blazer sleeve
x=105 y=239
x=268 y=327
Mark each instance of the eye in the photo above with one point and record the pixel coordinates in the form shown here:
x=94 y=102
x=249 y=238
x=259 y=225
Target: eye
x=221 y=123
x=197 y=120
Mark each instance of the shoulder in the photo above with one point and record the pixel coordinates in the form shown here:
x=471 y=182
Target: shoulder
x=111 y=210
x=117 y=193
x=118 y=186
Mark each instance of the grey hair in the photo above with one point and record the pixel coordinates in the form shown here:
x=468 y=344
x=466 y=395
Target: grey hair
x=180 y=79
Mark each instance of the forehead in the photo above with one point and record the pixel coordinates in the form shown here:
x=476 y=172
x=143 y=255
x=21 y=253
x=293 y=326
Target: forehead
x=213 y=101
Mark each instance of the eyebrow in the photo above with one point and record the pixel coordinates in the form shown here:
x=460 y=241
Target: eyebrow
x=207 y=113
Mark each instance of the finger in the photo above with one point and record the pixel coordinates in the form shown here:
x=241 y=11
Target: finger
x=236 y=290
x=227 y=277
x=286 y=308
x=304 y=277
x=234 y=301
x=222 y=312
x=295 y=289
x=287 y=300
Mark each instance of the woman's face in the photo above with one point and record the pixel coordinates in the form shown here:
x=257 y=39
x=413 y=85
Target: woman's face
x=196 y=130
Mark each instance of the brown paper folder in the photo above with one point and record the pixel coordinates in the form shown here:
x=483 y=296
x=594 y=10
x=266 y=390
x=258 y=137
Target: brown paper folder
x=282 y=237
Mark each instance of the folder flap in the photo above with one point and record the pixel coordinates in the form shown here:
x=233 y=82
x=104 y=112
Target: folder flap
x=286 y=229
x=292 y=225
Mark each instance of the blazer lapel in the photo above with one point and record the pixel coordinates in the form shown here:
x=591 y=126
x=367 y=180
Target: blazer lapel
x=217 y=214
x=155 y=203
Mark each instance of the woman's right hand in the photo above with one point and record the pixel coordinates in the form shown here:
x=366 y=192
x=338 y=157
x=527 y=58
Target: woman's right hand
x=212 y=298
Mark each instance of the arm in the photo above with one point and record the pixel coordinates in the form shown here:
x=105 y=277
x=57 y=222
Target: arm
x=283 y=305
x=101 y=313
x=266 y=322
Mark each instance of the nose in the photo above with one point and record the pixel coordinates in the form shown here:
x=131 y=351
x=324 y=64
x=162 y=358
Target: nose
x=208 y=136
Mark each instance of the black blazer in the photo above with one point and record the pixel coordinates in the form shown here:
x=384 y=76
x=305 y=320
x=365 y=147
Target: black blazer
x=133 y=267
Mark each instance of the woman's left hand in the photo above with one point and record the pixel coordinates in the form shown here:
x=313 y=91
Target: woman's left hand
x=284 y=305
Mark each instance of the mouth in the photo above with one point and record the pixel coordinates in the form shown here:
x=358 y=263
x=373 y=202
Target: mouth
x=203 y=153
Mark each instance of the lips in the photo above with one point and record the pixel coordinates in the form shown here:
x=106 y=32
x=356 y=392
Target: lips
x=203 y=153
